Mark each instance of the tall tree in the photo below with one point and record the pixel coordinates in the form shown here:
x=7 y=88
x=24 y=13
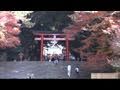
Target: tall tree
x=42 y=21
x=50 y=20
x=9 y=30
x=96 y=31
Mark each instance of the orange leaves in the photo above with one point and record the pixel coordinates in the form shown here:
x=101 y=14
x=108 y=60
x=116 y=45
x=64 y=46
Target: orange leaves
x=99 y=24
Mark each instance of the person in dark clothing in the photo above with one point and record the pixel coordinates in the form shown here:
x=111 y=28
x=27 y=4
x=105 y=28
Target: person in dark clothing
x=53 y=59
x=56 y=59
x=76 y=55
x=21 y=56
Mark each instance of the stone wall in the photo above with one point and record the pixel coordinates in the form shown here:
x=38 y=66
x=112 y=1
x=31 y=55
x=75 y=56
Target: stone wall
x=105 y=75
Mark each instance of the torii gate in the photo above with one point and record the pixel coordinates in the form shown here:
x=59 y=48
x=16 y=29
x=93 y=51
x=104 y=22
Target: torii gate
x=55 y=37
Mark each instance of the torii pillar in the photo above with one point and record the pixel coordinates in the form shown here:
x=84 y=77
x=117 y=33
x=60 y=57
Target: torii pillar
x=67 y=47
x=41 y=47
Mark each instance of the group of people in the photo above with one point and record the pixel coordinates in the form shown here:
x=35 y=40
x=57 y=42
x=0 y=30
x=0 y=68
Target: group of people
x=54 y=57
x=20 y=57
x=69 y=68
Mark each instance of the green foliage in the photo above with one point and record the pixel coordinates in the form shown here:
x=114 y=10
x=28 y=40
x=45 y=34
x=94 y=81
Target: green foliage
x=116 y=69
x=26 y=37
x=50 y=20
x=76 y=44
x=78 y=39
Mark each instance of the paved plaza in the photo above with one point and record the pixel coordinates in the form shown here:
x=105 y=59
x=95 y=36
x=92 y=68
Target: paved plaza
x=42 y=70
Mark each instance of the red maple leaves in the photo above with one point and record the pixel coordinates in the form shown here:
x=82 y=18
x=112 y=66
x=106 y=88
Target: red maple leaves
x=102 y=26
x=9 y=29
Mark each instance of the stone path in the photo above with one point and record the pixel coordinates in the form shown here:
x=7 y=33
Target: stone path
x=41 y=70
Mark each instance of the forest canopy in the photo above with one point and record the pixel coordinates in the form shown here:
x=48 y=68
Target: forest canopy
x=97 y=33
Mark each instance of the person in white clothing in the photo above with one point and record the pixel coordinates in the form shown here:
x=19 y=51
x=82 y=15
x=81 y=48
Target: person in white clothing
x=69 y=70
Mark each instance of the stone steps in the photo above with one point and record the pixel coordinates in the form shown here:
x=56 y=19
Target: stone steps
x=41 y=70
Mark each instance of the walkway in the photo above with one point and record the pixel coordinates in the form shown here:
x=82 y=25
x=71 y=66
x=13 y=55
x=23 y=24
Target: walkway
x=44 y=70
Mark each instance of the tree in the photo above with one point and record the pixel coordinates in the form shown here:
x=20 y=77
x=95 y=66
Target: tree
x=15 y=40
x=50 y=20
x=95 y=35
x=40 y=21
x=9 y=30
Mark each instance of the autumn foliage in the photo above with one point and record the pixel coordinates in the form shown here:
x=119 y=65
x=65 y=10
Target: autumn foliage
x=104 y=37
x=9 y=30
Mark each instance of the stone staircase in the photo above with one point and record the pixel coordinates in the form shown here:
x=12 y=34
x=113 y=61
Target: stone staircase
x=41 y=70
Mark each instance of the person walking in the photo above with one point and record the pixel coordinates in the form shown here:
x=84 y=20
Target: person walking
x=69 y=70
x=21 y=56
x=77 y=70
